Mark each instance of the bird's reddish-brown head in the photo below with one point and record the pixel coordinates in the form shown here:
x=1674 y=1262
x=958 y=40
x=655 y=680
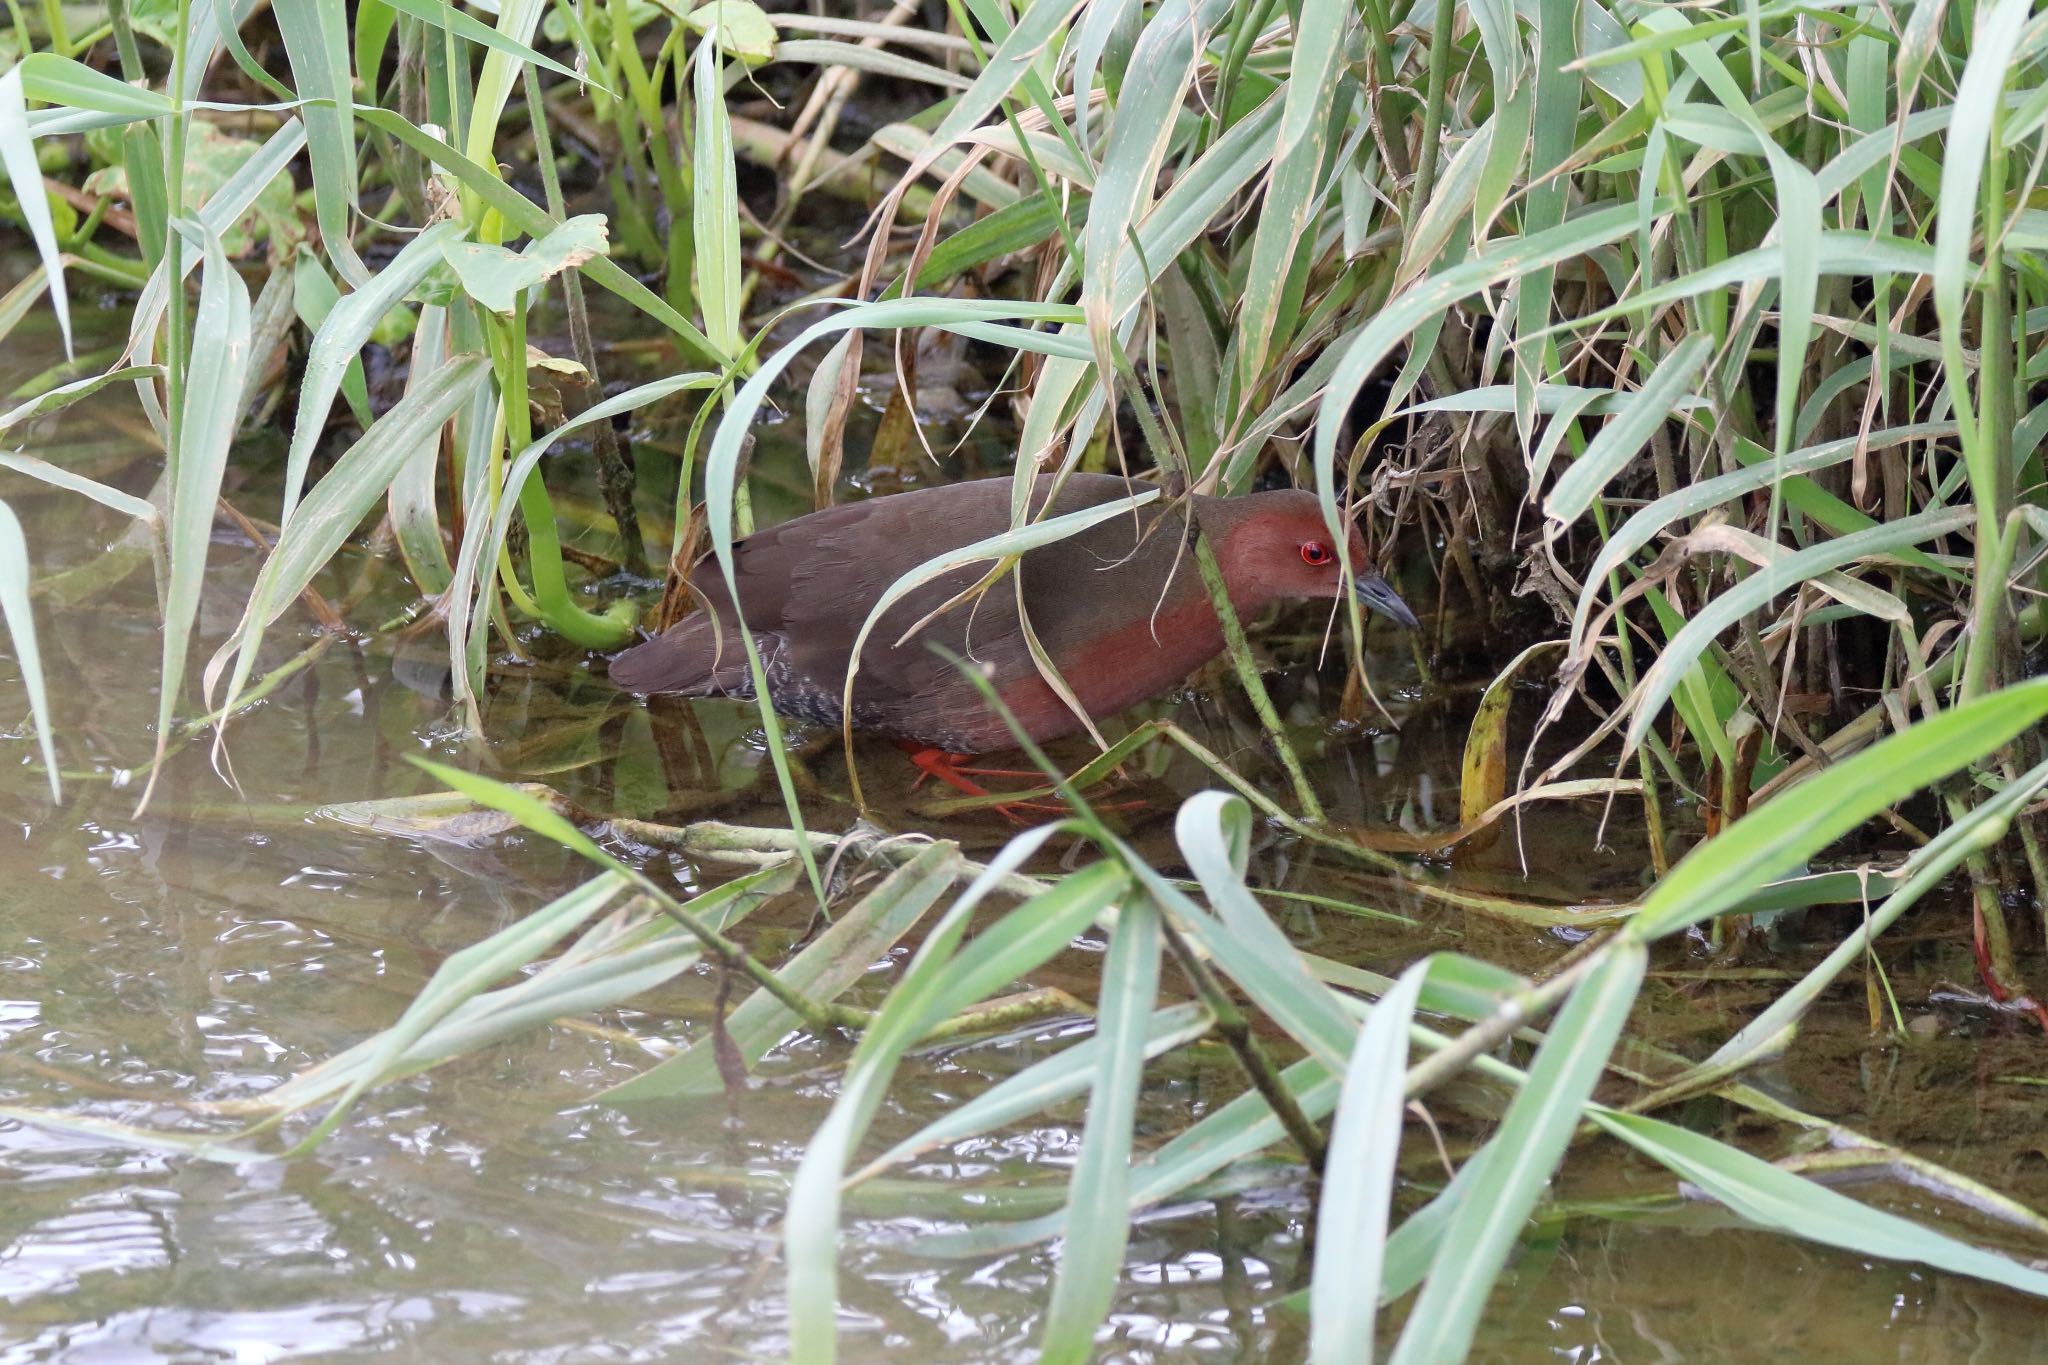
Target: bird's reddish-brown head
x=1275 y=546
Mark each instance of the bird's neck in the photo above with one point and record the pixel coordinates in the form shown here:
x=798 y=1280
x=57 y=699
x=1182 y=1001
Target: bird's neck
x=1248 y=595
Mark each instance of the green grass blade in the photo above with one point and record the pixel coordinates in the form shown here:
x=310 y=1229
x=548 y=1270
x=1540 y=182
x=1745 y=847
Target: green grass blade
x=21 y=629
x=617 y=959
x=1294 y=189
x=1982 y=827
x=1519 y=1160
x=212 y=396
x=827 y=967
x=315 y=34
x=1213 y=831
x=494 y=82
x=1725 y=608
x=1097 y=1228
x=443 y=15
x=125 y=503
x=1502 y=260
x=1622 y=439
x=822 y=52
x=64 y=395
x=222 y=211
x=1358 y=1187
x=25 y=175
x=1778 y=1199
x=1956 y=223
x=1183 y=213
x=1039 y=1086
x=714 y=201
x=462 y=978
x=930 y=988
x=1239 y=1130
x=1162 y=68
x=1098 y=28
x=347 y=328
x=1008 y=64
x=470 y=594
x=1777 y=837
x=496 y=277
x=1696 y=498
x=530 y=218
x=415 y=522
x=321 y=524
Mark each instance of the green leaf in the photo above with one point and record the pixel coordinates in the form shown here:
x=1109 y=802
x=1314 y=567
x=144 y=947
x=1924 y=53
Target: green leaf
x=1696 y=498
x=934 y=984
x=832 y=962
x=1801 y=822
x=1294 y=189
x=1518 y=1161
x=495 y=276
x=1780 y=1200
x=1097 y=1227
x=315 y=34
x=528 y=217
x=1162 y=67
x=414 y=520
x=714 y=194
x=468 y=604
x=1213 y=831
x=25 y=175
x=738 y=26
x=522 y=806
x=343 y=332
x=1358 y=1187
x=313 y=298
x=1727 y=607
x=443 y=15
x=320 y=525
x=212 y=397
x=621 y=956
x=1039 y=1086
x=1505 y=259
x=1621 y=439
x=1981 y=828
x=21 y=629
x=64 y=395
x=60 y=81
x=214 y=161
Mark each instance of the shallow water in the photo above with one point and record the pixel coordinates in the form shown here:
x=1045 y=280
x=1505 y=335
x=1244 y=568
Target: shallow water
x=203 y=952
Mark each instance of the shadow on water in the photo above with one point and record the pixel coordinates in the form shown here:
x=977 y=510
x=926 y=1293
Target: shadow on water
x=153 y=967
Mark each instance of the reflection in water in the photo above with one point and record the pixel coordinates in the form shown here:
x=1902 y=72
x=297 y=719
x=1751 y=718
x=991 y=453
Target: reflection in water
x=154 y=967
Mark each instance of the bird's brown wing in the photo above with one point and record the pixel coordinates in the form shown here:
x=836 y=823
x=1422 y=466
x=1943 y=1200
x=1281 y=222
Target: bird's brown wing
x=851 y=563
x=701 y=655
x=909 y=688
x=806 y=586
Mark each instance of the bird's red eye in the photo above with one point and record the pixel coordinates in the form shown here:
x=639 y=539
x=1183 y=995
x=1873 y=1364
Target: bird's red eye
x=1315 y=552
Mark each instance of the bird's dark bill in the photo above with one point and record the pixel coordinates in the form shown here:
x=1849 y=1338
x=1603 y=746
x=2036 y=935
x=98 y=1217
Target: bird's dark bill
x=1373 y=591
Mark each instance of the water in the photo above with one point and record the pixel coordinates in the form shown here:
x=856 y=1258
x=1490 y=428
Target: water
x=199 y=954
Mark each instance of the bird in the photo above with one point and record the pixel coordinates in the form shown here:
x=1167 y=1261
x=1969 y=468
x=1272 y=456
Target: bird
x=1119 y=608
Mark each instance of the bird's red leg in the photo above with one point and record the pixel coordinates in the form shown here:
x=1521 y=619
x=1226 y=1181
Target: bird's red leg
x=932 y=761
x=953 y=770
x=1031 y=773
x=949 y=768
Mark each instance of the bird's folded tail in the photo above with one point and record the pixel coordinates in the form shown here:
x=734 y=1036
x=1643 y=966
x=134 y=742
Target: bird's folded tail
x=692 y=659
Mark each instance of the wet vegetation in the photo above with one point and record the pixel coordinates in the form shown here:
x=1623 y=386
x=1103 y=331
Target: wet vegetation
x=1680 y=362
